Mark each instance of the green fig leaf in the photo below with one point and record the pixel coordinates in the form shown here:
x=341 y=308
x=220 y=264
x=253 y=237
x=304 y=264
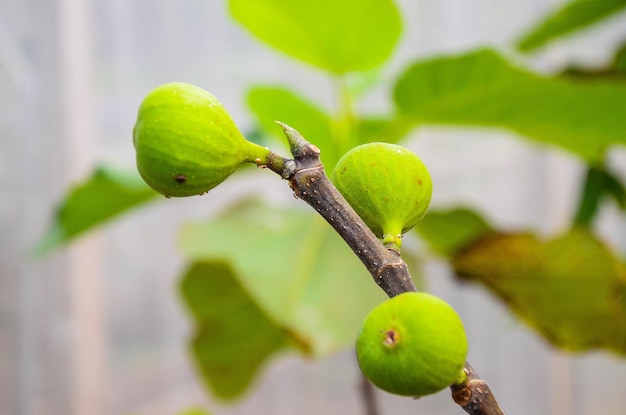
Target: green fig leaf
x=274 y=103
x=482 y=89
x=107 y=193
x=335 y=35
x=449 y=231
x=233 y=335
x=294 y=266
x=572 y=16
x=383 y=129
x=571 y=289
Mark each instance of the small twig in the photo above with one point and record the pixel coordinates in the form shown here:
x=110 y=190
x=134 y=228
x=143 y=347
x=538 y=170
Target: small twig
x=309 y=182
x=369 y=397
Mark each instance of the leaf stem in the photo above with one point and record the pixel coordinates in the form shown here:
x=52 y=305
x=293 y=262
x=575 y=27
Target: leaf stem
x=344 y=122
x=599 y=182
x=590 y=197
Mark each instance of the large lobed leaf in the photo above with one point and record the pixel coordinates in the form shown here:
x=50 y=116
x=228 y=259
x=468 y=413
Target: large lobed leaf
x=572 y=16
x=571 y=289
x=336 y=35
x=306 y=286
x=104 y=195
x=482 y=89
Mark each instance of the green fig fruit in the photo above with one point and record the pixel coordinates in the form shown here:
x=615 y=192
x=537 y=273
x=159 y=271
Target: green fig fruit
x=186 y=142
x=387 y=185
x=413 y=344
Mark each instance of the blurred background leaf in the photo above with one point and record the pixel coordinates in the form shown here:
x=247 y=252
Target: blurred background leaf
x=275 y=103
x=107 y=193
x=449 y=231
x=481 y=88
x=570 y=288
x=336 y=35
x=295 y=267
x=233 y=336
x=574 y=15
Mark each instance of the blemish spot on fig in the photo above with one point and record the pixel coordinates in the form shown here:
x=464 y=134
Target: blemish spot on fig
x=181 y=178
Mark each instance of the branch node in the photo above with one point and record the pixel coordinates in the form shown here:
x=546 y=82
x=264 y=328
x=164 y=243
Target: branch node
x=475 y=396
x=289 y=169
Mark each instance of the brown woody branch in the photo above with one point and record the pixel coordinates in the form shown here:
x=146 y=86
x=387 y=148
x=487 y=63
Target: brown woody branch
x=475 y=396
x=309 y=182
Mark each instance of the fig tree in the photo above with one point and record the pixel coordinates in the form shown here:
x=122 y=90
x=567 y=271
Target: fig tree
x=186 y=142
x=413 y=344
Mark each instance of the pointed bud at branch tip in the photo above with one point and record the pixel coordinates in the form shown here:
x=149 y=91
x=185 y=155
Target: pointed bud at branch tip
x=297 y=143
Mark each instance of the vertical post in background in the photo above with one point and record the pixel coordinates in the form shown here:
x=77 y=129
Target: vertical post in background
x=12 y=80
x=560 y=195
x=85 y=279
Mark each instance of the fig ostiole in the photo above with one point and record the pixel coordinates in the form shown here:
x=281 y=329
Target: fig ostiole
x=186 y=143
x=387 y=185
x=413 y=344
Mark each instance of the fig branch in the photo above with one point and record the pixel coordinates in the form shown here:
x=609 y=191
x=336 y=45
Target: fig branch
x=309 y=182
x=200 y=146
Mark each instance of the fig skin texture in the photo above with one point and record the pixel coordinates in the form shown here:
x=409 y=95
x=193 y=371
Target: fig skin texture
x=186 y=142
x=413 y=344
x=387 y=185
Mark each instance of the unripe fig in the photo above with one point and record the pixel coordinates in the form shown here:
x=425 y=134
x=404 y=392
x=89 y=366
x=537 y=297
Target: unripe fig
x=387 y=185
x=186 y=142
x=413 y=344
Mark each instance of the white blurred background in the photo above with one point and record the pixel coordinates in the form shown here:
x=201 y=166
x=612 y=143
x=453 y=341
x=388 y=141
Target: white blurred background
x=98 y=329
